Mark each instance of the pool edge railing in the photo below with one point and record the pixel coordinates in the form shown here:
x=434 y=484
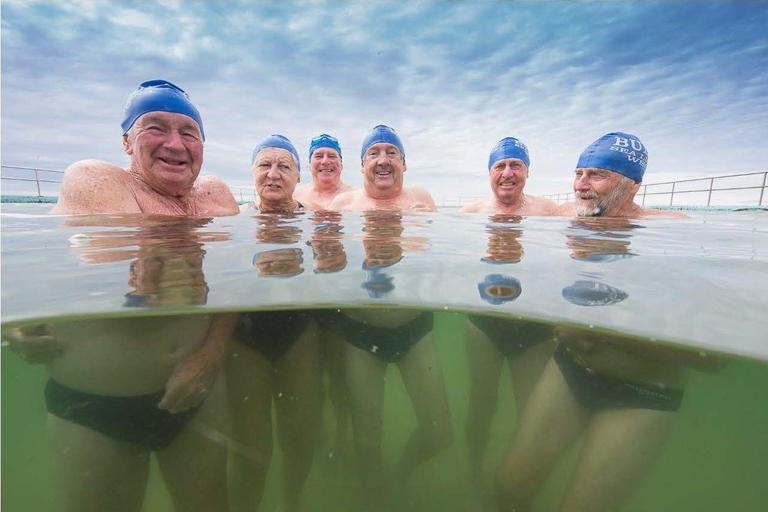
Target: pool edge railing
x=673 y=192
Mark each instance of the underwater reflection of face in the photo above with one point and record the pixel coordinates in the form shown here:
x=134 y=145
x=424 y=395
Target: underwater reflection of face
x=326 y=243
x=600 y=239
x=504 y=239
x=383 y=238
x=279 y=262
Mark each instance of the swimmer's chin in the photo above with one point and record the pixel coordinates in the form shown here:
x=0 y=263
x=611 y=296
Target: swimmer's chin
x=588 y=211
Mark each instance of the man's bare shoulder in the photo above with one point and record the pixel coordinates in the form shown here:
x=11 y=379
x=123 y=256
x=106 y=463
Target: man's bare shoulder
x=567 y=210
x=95 y=186
x=420 y=199
x=345 y=200
x=479 y=206
x=541 y=206
x=213 y=197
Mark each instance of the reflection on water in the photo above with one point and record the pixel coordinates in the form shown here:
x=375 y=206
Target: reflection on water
x=364 y=403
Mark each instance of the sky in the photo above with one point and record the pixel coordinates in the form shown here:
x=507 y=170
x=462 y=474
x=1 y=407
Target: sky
x=690 y=79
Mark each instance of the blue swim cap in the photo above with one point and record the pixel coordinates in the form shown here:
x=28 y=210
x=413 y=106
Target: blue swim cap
x=593 y=293
x=276 y=141
x=509 y=147
x=618 y=152
x=378 y=283
x=159 y=96
x=382 y=133
x=505 y=288
x=324 y=141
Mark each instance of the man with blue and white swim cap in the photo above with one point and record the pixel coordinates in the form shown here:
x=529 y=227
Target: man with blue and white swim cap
x=163 y=137
x=608 y=175
x=508 y=166
x=383 y=166
x=325 y=165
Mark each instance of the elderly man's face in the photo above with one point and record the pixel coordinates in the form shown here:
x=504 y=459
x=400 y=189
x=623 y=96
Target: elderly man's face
x=325 y=165
x=166 y=150
x=508 y=177
x=275 y=174
x=600 y=191
x=383 y=166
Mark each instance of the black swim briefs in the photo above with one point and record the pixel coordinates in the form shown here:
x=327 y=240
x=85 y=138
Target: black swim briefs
x=388 y=343
x=596 y=391
x=271 y=333
x=512 y=337
x=131 y=419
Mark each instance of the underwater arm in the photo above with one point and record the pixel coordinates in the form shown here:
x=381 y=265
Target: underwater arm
x=34 y=343
x=194 y=376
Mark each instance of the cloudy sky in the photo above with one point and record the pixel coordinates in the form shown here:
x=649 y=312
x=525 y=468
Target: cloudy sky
x=453 y=77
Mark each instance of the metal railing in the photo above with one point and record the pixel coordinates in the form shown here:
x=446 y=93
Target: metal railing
x=33 y=176
x=678 y=188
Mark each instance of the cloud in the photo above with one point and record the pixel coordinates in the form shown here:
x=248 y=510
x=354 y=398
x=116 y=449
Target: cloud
x=452 y=77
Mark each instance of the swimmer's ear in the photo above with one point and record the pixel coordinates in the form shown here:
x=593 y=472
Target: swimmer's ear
x=126 y=145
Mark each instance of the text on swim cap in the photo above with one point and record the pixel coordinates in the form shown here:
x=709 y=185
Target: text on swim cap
x=632 y=148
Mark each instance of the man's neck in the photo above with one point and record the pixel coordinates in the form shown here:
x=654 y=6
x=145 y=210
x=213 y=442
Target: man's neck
x=628 y=209
x=513 y=206
x=390 y=194
x=151 y=200
x=282 y=206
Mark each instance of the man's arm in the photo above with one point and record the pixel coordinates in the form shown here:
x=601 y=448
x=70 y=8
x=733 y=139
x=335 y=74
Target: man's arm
x=94 y=186
x=193 y=377
x=342 y=201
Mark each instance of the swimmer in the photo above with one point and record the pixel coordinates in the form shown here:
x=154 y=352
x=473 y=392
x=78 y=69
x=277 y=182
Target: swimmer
x=508 y=168
x=621 y=397
x=276 y=171
x=275 y=360
x=110 y=401
x=163 y=136
x=325 y=164
x=383 y=167
x=493 y=342
x=376 y=338
x=607 y=177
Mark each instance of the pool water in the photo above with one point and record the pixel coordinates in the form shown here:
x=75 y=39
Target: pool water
x=688 y=296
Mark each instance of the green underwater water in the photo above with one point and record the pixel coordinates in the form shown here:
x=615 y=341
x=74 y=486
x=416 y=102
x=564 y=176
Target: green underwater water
x=696 y=285
x=715 y=458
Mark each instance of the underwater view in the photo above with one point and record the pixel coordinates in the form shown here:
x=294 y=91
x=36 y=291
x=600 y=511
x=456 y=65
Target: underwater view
x=386 y=361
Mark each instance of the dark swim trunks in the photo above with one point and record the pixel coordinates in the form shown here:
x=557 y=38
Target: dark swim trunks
x=512 y=337
x=131 y=419
x=388 y=343
x=596 y=391
x=271 y=333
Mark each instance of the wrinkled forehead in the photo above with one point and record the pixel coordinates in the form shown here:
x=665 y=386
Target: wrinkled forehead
x=382 y=146
x=167 y=118
x=274 y=155
x=323 y=151
x=504 y=161
x=599 y=171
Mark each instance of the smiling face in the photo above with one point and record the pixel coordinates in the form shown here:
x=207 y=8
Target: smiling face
x=326 y=166
x=275 y=174
x=602 y=192
x=166 y=151
x=383 y=168
x=508 y=177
